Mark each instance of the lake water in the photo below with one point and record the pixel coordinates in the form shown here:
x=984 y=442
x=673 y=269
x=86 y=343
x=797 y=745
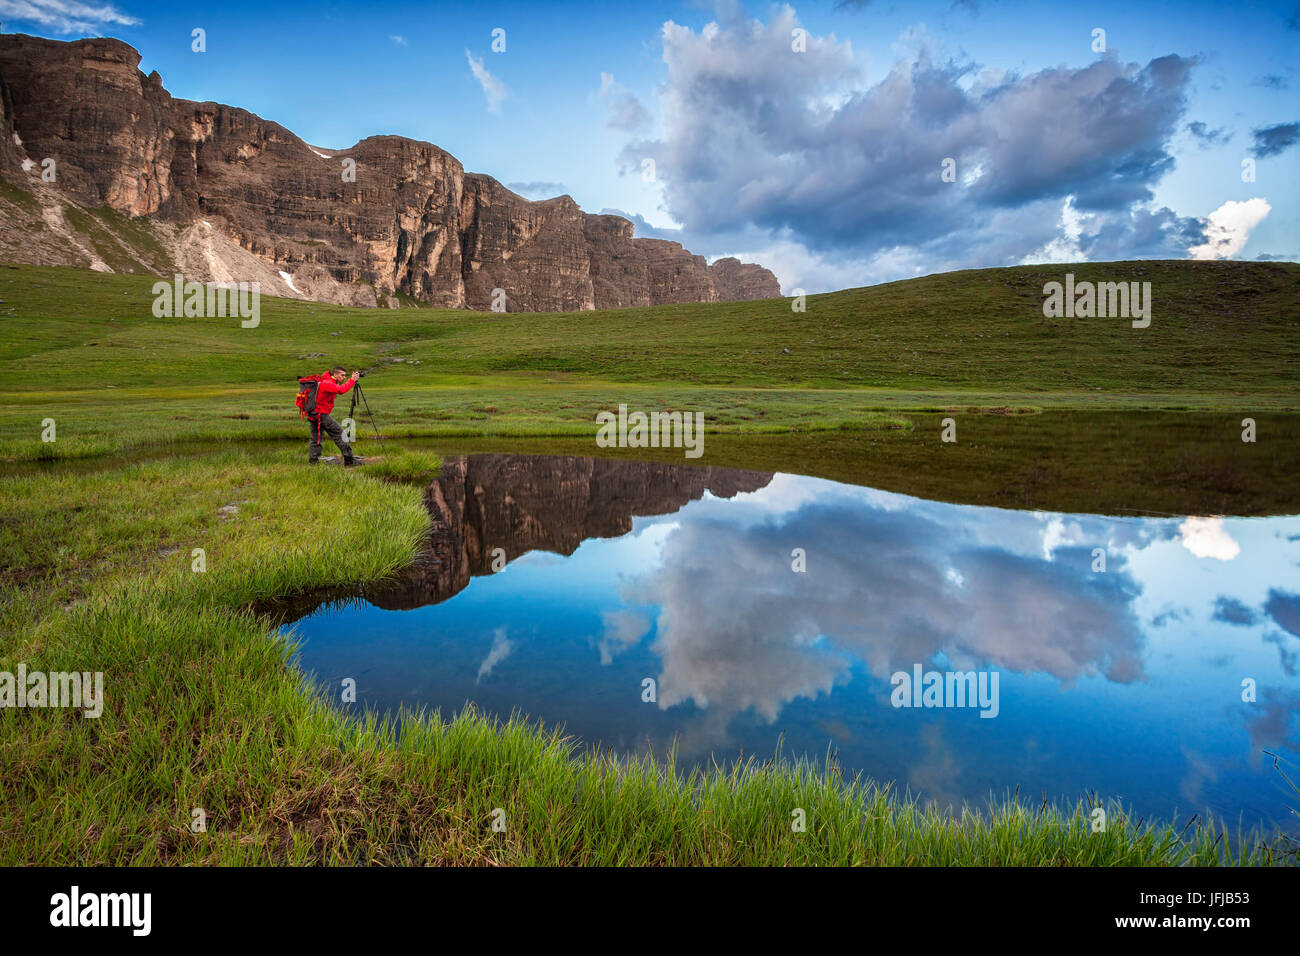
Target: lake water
x=559 y=586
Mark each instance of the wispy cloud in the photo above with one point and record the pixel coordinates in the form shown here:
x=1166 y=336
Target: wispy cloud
x=1271 y=81
x=493 y=88
x=398 y=39
x=625 y=111
x=501 y=648
x=66 y=16
x=538 y=189
x=1206 y=137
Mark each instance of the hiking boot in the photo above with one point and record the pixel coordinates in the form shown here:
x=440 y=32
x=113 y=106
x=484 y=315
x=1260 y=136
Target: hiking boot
x=313 y=461
x=353 y=462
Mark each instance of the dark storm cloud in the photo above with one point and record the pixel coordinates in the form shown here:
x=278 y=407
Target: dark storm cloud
x=1143 y=232
x=797 y=144
x=1284 y=609
x=1231 y=611
x=1272 y=140
x=1109 y=152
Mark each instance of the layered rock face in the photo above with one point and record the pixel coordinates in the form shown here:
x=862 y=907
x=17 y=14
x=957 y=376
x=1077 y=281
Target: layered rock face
x=10 y=161
x=736 y=281
x=400 y=215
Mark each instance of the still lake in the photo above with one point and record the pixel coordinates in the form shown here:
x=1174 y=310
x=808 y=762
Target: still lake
x=774 y=608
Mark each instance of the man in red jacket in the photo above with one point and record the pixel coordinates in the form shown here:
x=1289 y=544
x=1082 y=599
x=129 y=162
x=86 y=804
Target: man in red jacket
x=333 y=383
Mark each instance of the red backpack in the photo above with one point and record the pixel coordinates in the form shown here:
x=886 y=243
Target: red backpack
x=306 y=400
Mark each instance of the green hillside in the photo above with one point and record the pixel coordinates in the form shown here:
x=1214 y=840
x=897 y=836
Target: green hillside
x=1216 y=326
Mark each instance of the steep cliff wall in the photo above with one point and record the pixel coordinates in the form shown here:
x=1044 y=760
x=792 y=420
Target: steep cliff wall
x=395 y=214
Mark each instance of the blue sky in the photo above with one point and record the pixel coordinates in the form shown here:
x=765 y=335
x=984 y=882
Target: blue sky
x=824 y=164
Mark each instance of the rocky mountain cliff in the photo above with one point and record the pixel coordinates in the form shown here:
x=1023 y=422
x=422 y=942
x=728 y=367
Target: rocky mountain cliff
x=147 y=182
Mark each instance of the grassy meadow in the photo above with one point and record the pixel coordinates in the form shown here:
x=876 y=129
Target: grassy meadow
x=180 y=434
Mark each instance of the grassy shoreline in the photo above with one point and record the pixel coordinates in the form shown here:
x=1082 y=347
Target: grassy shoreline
x=204 y=709
x=1098 y=462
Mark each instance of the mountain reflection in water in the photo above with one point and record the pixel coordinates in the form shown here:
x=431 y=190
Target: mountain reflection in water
x=1126 y=681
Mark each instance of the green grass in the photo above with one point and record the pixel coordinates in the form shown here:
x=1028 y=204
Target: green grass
x=415 y=467
x=139 y=237
x=19 y=197
x=108 y=250
x=1226 y=328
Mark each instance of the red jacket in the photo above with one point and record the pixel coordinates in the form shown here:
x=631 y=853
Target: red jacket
x=327 y=391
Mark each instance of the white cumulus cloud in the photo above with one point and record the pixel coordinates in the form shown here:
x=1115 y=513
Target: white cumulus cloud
x=1229 y=227
x=1207 y=538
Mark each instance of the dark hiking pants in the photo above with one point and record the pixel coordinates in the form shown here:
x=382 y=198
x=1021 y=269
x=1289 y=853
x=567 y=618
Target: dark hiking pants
x=328 y=426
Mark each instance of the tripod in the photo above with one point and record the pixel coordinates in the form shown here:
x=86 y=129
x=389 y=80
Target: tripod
x=358 y=393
